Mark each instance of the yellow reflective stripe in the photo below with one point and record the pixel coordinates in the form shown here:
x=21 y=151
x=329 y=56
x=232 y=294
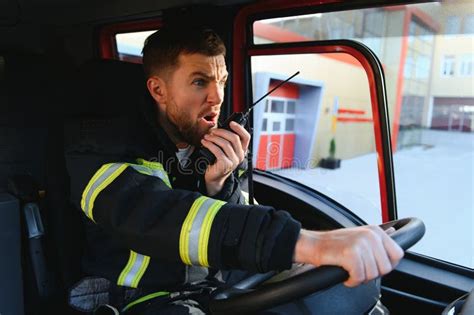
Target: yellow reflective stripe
x=186 y=230
x=206 y=232
x=144 y=299
x=196 y=231
x=102 y=186
x=101 y=179
x=128 y=266
x=150 y=164
x=134 y=270
x=141 y=271
x=196 y=228
x=97 y=174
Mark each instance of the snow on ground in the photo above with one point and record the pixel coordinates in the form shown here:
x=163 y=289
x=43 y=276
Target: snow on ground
x=434 y=182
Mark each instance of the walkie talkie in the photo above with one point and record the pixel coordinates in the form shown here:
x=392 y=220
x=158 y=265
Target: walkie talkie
x=241 y=119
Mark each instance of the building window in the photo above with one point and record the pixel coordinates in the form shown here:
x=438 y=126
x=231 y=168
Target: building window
x=412 y=32
x=466 y=65
x=422 y=70
x=374 y=27
x=278 y=106
x=468 y=27
x=408 y=67
x=276 y=126
x=290 y=107
x=264 y=124
x=447 y=66
x=453 y=25
x=339 y=27
x=290 y=124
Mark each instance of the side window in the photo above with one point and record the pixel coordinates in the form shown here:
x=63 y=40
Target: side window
x=130 y=45
x=426 y=51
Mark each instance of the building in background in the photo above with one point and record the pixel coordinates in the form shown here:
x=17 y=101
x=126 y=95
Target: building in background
x=284 y=126
x=452 y=86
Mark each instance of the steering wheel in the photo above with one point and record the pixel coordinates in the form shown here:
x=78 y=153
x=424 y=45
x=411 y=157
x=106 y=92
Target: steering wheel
x=241 y=299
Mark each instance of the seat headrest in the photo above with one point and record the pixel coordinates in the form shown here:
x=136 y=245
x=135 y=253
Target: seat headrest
x=109 y=87
x=109 y=113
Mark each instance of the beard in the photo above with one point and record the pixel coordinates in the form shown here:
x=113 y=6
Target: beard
x=186 y=128
x=191 y=132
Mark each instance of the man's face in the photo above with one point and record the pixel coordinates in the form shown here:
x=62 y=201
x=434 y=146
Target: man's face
x=194 y=95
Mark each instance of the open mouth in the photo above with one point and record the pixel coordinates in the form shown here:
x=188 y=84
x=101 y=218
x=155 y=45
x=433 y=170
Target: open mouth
x=210 y=119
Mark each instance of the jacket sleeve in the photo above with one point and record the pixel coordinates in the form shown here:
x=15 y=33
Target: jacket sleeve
x=230 y=192
x=136 y=205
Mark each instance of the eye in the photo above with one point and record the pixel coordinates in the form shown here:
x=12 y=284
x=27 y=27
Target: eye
x=199 y=82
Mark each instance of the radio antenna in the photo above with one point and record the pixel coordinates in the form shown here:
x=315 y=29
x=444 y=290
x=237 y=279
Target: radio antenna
x=270 y=92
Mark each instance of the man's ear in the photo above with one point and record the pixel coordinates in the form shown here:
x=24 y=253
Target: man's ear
x=157 y=88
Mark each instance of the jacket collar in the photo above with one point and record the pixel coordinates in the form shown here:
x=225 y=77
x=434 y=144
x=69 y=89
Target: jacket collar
x=181 y=179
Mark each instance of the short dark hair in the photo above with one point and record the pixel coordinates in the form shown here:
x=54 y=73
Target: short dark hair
x=162 y=48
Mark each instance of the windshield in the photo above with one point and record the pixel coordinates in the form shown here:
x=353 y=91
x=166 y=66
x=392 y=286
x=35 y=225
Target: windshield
x=319 y=131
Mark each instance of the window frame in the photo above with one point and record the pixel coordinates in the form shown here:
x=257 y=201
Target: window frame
x=244 y=48
x=107 y=35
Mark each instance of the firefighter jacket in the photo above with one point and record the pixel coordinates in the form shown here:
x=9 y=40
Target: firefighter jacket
x=149 y=222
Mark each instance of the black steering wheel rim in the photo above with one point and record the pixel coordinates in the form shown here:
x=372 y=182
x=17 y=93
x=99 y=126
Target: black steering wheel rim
x=232 y=301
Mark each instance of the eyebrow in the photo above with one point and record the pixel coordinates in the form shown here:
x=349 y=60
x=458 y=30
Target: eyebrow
x=210 y=78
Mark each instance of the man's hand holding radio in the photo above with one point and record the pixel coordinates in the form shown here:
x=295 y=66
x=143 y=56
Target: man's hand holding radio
x=229 y=148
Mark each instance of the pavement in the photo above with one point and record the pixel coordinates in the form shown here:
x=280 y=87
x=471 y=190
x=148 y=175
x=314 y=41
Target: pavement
x=433 y=180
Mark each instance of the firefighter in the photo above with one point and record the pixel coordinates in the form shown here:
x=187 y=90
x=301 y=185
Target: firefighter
x=161 y=222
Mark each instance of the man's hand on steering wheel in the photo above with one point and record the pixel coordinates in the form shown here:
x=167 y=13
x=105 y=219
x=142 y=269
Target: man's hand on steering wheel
x=365 y=252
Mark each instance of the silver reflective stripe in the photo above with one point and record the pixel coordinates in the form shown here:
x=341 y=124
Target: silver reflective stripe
x=196 y=273
x=196 y=231
x=96 y=184
x=134 y=270
x=130 y=277
x=141 y=169
x=153 y=172
x=162 y=175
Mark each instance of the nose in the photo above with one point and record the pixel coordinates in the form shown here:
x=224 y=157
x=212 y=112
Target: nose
x=216 y=94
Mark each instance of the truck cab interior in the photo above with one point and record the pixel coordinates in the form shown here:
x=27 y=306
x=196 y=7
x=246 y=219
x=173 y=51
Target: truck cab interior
x=66 y=84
